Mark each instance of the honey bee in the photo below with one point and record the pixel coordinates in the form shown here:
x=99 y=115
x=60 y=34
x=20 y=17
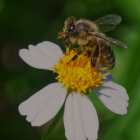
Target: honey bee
x=90 y=37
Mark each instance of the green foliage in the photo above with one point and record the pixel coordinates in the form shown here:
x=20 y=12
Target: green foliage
x=27 y=22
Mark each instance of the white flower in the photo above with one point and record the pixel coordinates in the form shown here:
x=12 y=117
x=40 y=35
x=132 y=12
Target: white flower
x=80 y=117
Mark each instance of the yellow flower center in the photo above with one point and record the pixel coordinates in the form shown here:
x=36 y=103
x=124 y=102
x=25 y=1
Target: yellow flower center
x=78 y=75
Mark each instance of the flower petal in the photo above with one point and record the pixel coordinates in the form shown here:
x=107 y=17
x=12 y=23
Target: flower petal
x=44 y=105
x=80 y=118
x=113 y=96
x=43 y=56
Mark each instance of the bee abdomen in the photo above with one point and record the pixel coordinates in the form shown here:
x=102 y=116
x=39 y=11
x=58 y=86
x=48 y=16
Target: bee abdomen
x=107 y=57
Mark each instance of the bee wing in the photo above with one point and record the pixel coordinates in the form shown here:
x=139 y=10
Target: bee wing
x=111 y=40
x=115 y=42
x=108 y=22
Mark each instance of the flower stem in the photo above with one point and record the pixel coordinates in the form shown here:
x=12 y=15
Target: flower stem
x=53 y=124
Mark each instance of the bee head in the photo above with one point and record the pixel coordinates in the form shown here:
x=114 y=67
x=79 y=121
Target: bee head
x=70 y=25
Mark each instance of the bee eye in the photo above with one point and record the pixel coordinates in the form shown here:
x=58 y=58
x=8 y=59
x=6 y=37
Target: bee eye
x=71 y=27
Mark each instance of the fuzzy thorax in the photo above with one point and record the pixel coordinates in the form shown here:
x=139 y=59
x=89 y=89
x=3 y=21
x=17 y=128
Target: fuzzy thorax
x=78 y=75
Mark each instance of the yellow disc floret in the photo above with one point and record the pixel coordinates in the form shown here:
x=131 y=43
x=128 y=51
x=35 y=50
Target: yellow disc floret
x=78 y=74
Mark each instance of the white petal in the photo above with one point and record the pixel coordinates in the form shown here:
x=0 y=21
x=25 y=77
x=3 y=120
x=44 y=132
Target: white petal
x=44 y=105
x=43 y=56
x=113 y=96
x=80 y=118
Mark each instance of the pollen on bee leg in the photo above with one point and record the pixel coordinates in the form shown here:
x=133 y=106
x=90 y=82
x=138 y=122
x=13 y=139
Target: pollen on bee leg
x=61 y=34
x=78 y=75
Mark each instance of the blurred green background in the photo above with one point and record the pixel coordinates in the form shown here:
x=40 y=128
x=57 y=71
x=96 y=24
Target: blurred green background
x=24 y=22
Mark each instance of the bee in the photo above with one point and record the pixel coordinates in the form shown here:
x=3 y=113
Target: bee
x=90 y=37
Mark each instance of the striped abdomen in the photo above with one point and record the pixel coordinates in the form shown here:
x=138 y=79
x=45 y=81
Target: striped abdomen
x=107 y=57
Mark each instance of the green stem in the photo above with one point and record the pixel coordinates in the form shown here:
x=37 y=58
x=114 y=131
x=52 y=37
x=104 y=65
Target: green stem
x=53 y=124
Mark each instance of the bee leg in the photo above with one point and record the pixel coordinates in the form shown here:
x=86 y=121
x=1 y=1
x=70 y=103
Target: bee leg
x=100 y=49
x=75 y=56
x=95 y=57
x=93 y=62
x=65 y=39
x=75 y=47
